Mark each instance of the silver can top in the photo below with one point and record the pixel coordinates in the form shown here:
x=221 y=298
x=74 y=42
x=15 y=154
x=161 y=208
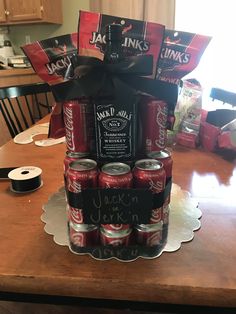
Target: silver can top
x=116 y=168
x=148 y=164
x=83 y=164
x=115 y=234
x=83 y=227
x=149 y=227
x=76 y=154
x=160 y=155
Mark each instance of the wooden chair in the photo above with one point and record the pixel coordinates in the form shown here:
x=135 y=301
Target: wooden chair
x=23 y=105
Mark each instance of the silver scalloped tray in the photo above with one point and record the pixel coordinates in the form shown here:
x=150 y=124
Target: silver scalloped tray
x=183 y=221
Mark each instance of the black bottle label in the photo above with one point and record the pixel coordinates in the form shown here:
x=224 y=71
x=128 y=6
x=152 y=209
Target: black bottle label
x=115 y=131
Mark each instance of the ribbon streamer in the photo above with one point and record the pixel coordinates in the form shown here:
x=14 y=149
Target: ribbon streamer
x=93 y=79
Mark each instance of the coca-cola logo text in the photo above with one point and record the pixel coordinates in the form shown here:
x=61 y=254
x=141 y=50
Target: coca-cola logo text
x=69 y=128
x=161 y=120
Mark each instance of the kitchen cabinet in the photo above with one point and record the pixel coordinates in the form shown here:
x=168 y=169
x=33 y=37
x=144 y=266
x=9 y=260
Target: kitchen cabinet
x=2 y=12
x=30 y=11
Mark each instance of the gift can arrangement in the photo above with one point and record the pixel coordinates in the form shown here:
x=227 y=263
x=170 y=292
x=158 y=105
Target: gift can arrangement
x=116 y=99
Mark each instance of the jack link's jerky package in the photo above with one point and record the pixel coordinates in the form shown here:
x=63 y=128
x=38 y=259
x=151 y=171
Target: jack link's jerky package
x=50 y=58
x=139 y=37
x=180 y=54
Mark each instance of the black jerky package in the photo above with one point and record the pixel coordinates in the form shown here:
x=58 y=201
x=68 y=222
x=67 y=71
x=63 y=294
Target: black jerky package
x=180 y=54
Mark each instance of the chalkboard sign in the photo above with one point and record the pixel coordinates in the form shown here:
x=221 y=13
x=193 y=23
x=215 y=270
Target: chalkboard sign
x=117 y=206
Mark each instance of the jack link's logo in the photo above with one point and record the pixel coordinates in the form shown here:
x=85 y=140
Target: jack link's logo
x=59 y=65
x=138 y=44
x=174 y=50
x=175 y=55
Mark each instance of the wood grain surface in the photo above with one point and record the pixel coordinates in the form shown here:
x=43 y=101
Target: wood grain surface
x=202 y=272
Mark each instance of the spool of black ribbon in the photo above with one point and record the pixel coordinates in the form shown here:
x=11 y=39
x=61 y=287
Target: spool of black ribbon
x=25 y=179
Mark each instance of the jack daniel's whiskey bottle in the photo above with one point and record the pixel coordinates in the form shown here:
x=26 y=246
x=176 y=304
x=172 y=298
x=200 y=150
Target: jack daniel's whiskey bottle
x=115 y=122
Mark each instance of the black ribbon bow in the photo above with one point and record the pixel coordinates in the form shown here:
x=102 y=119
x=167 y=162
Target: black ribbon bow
x=92 y=78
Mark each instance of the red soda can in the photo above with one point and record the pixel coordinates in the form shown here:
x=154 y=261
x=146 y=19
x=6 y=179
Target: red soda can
x=115 y=175
x=83 y=235
x=71 y=156
x=115 y=238
x=75 y=215
x=165 y=157
x=82 y=174
x=154 y=120
x=76 y=126
x=150 y=174
x=148 y=235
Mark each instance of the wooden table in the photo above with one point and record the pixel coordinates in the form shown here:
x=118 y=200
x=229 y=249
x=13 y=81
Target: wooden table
x=202 y=272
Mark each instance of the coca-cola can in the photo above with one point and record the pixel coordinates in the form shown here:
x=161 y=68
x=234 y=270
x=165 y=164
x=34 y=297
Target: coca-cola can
x=165 y=157
x=115 y=175
x=150 y=174
x=148 y=235
x=69 y=157
x=115 y=238
x=82 y=174
x=83 y=235
x=78 y=126
x=75 y=215
x=154 y=116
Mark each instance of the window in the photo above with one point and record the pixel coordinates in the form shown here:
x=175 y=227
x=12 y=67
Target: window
x=215 y=18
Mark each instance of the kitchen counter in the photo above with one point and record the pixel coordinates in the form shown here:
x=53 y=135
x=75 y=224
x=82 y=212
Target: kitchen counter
x=11 y=77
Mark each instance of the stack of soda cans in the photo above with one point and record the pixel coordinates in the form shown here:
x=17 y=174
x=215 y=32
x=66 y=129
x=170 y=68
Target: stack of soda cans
x=151 y=173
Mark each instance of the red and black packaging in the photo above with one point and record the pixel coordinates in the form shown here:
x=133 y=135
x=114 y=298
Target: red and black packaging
x=139 y=37
x=180 y=54
x=50 y=58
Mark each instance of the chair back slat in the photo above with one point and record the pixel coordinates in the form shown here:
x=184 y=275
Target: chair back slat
x=22 y=113
x=23 y=105
x=12 y=115
x=8 y=123
x=29 y=109
x=38 y=106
